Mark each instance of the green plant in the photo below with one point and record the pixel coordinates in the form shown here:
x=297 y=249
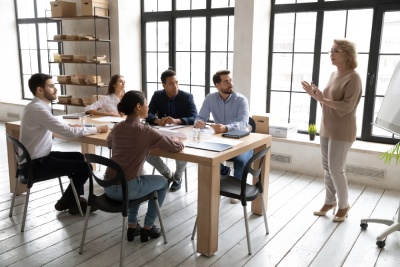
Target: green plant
x=388 y=155
x=312 y=128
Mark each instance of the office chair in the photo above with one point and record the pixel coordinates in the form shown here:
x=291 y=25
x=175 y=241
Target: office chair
x=239 y=189
x=106 y=204
x=394 y=225
x=25 y=176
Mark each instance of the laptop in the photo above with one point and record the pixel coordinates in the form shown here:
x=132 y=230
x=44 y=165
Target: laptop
x=211 y=146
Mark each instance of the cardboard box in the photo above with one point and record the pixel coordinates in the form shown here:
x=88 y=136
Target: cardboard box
x=262 y=123
x=282 y=130
x=63 y=9
x=97 y=7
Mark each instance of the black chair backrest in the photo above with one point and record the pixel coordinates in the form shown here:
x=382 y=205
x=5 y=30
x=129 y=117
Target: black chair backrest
x=252 y=124
x=119 y=178
x=24 y=162
x=255 y=171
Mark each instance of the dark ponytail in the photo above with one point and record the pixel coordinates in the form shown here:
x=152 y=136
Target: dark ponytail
x=129 y=101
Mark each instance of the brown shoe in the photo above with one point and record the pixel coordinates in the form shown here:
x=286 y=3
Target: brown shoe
x=61 y=206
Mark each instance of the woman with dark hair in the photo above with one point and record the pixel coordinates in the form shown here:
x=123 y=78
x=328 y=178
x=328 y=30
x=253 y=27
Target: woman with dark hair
x=339 y=101
x=107 y=105
x=131 y=142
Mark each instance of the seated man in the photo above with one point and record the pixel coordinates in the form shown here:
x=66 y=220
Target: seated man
x=37 y=126
x=170 y=106
x=230 y=111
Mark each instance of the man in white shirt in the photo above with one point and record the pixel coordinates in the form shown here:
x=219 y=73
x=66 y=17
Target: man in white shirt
x=37 y=126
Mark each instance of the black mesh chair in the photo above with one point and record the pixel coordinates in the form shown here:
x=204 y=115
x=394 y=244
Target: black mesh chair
x=25 y=176
x=239 y=189
x=104 y=203
x=252 y=123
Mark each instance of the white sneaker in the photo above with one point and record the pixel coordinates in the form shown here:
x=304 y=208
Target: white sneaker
x=234 y=201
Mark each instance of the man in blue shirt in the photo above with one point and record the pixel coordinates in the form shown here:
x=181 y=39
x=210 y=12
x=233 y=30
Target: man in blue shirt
x=171 y=106
x=230 y=111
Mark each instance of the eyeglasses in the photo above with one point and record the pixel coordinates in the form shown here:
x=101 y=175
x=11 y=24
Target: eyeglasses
x=121 y=81
x=334 y=51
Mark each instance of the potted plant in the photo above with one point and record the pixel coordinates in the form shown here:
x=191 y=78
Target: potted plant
x=312 y=130
x=388 y=155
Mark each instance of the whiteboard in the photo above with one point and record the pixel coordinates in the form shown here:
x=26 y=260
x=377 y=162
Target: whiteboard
x=389 y=114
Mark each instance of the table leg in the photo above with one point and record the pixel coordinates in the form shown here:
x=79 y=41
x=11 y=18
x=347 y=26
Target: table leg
x=88 y=148
x=208 y=209
x=256 y=206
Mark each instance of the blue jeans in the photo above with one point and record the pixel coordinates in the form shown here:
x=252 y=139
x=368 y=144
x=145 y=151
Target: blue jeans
x=239 y=162
x=138 y=188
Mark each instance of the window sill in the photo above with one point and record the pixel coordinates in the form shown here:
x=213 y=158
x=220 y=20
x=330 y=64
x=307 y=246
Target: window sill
x=358 y=146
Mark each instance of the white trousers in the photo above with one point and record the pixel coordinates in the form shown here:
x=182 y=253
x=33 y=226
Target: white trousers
x=334 y=155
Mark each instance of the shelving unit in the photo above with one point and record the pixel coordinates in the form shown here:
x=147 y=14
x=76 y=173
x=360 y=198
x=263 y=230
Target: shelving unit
x=96 y=46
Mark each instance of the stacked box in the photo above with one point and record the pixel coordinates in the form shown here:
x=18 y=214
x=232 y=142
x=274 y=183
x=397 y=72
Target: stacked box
x=94 y=7
x=262 y=123
x=63 y=9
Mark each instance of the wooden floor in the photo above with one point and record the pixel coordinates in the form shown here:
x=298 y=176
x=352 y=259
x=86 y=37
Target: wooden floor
x=296 y=238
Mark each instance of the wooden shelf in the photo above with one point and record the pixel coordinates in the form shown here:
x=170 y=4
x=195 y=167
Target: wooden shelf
x=83 y=84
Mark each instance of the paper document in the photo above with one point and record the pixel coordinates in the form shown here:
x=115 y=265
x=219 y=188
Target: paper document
x=171 y=126
x=224 y=141
x=171 y=133
x=109 y=119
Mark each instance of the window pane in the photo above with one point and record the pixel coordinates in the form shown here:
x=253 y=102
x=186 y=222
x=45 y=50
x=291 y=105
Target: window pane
x=27 y=36
x=151 y=60
x=27 y=92
x=183 y=34
x=334 y=28
x=150 y=6
x=29 y=61
x=222 y=3
x=302 y=71
x=362 y=69
x=387 y=64
x=359 y=27
x=199 y=34
x=219 y=33
x=281 y=72
x=198 y=68
x=163 y=64
x=151 y=36
x=164 y=5
x=300 y=110
x=360 y=115
x=221 y=61
x=280 y=106
x=182 y=67
x=198 y=94
x=185 y=4
x=25 y=9
x=390 y=41
x=283 y=33
x=377 y=131
x=44 y=61
x=305 y=32
x=42 y=6
x=151 y=88
x=163 y=39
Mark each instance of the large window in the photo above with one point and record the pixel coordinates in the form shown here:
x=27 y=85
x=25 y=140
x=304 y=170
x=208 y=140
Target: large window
x=194 y=37
x=32 y=34
x=301 y=41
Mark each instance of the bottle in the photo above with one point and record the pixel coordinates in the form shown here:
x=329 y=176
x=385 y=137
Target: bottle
x=196 y=135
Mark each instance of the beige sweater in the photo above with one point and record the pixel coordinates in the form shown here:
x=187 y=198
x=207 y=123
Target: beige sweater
x=131 y=142
x=345 y=91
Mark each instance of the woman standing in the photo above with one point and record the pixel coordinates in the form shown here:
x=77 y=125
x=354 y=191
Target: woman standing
x=107 y=105
x=339 y=102
x=131 y=142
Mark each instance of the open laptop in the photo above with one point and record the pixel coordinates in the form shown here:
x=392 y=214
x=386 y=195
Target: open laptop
x=211 y=146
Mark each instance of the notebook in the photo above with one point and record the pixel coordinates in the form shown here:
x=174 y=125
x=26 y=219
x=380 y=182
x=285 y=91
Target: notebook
x=211 y=146
x=236 y=134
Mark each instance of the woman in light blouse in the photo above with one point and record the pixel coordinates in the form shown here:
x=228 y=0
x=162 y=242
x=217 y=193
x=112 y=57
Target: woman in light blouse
x=107 y=105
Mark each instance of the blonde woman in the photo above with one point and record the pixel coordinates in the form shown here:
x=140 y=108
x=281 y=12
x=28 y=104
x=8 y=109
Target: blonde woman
x=339 y=101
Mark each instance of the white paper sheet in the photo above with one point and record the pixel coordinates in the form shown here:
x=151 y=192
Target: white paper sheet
x=109 y=119
x=171 y=133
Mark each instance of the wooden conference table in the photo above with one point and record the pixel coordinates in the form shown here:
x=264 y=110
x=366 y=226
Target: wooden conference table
x=208 y=174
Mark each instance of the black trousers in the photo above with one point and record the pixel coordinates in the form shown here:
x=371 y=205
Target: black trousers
x=71 y=164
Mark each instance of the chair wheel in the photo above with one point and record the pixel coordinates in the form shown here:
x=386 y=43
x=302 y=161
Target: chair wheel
x=364 y=225
x=381 y=244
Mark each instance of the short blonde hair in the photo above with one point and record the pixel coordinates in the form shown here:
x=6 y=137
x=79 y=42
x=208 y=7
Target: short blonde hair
x=349 y=51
